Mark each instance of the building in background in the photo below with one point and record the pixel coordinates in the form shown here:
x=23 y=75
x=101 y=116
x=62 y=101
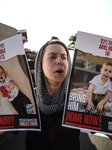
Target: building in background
x=7 y=31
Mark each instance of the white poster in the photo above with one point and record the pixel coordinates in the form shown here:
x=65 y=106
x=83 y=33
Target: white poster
x=89 y=100
x=18 y=106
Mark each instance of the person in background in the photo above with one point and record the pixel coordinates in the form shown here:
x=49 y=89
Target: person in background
x=52 y=70
x=28 y=53
x=31 y=64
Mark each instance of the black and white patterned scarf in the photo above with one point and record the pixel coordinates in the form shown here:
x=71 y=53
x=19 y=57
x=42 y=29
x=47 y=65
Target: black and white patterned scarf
x=46 y=103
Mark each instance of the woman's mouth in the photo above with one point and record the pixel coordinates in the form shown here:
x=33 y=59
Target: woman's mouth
x=59 y=71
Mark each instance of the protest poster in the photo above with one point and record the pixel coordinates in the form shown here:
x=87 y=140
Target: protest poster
x=88 y=104
x=18 y=106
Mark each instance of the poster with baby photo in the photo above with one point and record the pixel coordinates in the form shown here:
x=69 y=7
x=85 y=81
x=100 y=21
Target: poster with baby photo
x=89 y=100
x=18 y=107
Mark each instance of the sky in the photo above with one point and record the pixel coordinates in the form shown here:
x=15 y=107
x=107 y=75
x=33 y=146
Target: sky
x=43 y=19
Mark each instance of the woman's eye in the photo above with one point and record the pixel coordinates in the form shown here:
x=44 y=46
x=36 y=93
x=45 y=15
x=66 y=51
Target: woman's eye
x=53 y=57
x=64 y=57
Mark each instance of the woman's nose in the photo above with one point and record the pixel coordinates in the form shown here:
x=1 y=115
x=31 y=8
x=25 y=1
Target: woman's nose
x=59 y=60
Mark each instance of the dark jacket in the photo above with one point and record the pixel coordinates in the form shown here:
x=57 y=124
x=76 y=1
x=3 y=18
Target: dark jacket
x=52 y=135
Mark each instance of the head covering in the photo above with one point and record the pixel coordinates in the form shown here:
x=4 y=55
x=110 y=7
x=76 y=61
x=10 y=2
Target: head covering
x=55 y=40
x=47 y=104
x=34 y=52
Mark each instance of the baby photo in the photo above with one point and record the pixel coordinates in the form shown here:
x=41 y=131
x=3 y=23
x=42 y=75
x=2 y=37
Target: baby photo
x=89 y=101
x=18 y=105
x=10 y=92
x=94 y=83
x=14 y=98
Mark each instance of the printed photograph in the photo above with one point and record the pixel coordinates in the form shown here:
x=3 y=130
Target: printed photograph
x=18 y=106
x=91 y=83
x=88 y=103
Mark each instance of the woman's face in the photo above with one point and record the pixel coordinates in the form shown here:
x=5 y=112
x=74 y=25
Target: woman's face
x=55 y=64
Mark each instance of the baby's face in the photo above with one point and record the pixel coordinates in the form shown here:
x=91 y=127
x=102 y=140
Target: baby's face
x=2 y=75
x=106 y=72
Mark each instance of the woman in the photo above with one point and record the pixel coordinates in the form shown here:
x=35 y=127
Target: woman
x=52 y=69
